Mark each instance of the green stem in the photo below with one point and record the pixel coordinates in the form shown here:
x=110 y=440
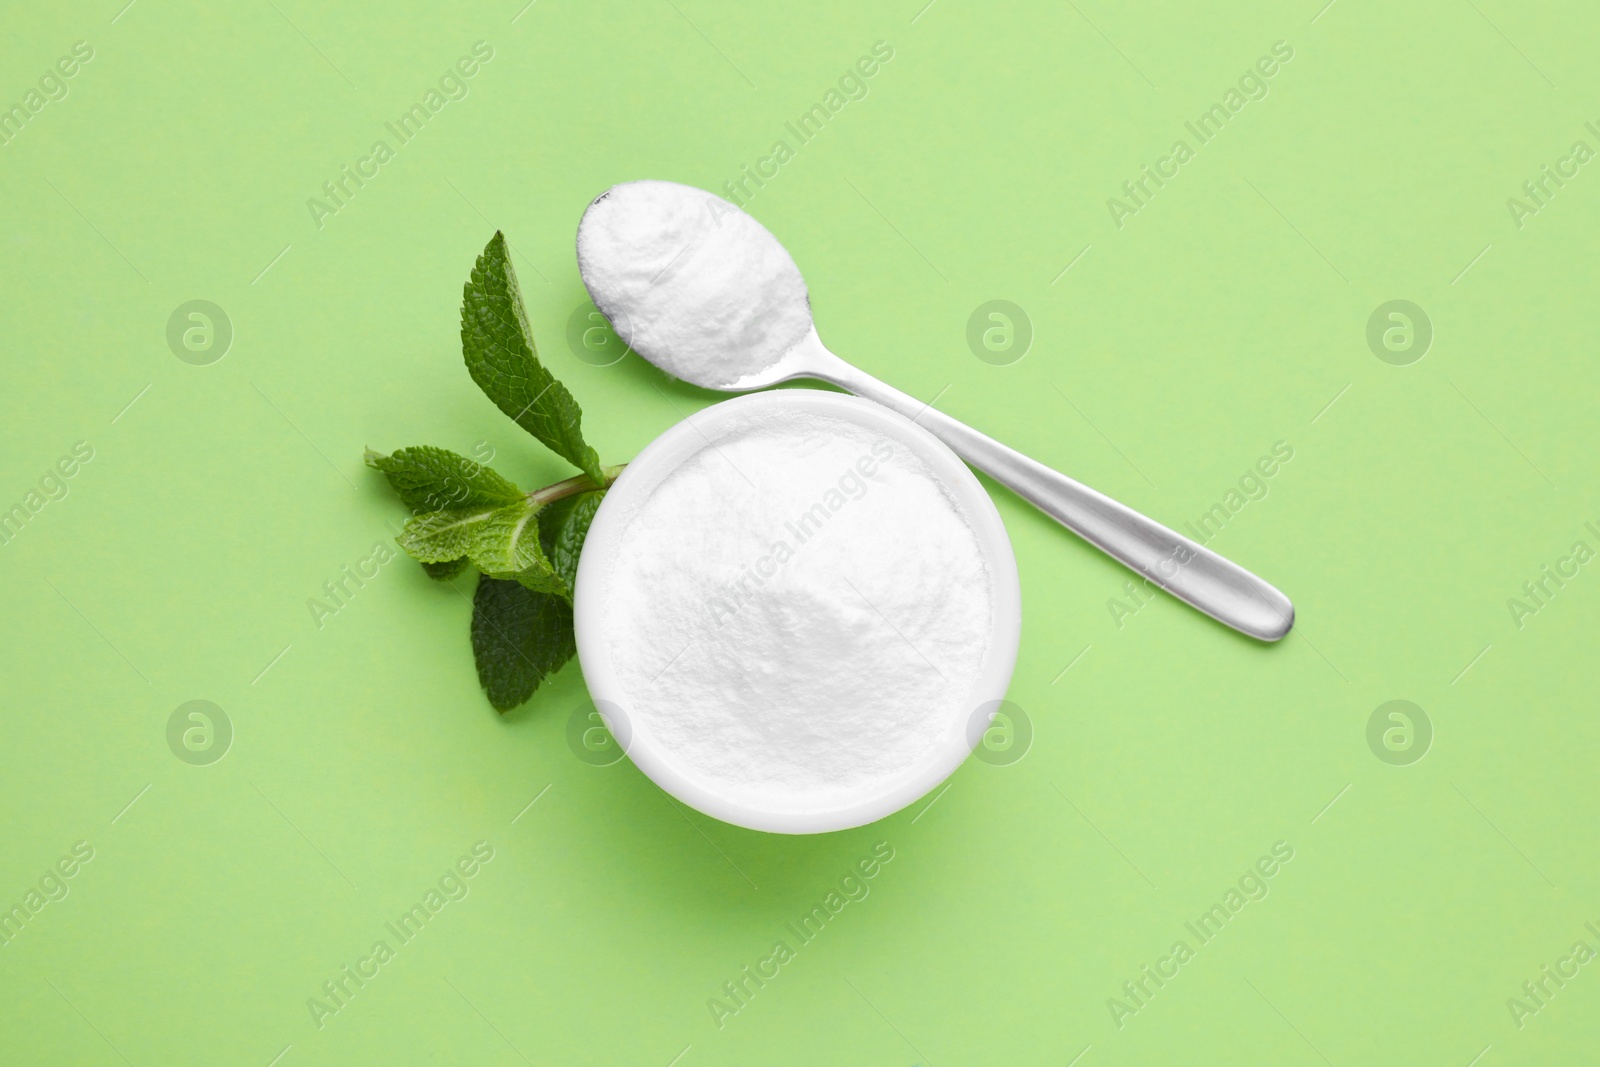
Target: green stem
x=573 y=486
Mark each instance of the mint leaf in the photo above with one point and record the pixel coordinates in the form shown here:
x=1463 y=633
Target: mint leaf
x=563 y=526
x=506 y=545
x=498 y=347
x=444 y=536
x=519 y=637
x=433 y=479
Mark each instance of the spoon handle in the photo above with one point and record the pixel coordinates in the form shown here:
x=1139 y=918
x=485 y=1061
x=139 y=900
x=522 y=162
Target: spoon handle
x=1220 y=588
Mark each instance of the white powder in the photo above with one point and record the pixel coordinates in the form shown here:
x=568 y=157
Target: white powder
x=693 y=283
x=798 y=611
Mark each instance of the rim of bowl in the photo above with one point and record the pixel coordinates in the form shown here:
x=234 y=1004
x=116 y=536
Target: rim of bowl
x=640 y=479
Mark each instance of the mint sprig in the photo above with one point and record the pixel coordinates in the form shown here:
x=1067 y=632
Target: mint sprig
x=525 y=545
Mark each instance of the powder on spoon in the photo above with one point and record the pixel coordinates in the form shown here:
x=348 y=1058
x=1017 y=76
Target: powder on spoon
x=799 y=611
x=691 y=281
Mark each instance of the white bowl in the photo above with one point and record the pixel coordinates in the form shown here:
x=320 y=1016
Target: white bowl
x=955 y=739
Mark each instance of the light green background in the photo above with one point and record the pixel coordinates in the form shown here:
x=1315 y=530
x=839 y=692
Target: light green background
x=1227 y=315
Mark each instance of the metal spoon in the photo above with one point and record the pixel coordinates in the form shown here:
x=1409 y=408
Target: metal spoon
x=645 y=251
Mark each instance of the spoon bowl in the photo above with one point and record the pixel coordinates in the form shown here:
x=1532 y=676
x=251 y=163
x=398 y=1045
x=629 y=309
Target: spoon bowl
x=693 y=284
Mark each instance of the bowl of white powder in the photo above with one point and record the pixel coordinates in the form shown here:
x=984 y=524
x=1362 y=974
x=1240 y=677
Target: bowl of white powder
x=795 y=610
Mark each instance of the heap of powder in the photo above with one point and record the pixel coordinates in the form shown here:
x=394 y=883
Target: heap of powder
x=691 y=282
x=799 y=611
